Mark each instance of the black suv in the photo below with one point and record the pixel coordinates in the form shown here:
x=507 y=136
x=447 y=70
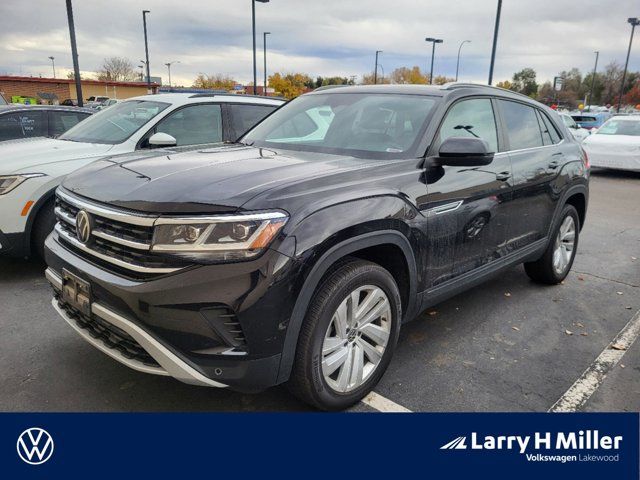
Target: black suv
x=295 y=254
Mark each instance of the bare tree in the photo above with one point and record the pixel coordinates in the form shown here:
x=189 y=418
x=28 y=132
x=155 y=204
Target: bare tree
x=117 y=69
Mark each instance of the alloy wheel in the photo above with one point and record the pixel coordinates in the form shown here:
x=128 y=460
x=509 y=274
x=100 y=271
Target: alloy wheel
x=564 y=245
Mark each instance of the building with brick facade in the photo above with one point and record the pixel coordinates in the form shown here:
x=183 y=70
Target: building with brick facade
x=64 y=88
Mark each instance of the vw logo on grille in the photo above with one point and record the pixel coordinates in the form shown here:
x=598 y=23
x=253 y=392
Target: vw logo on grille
x=83 y=226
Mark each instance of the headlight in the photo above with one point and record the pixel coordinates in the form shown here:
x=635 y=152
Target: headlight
x=9 y=182
x=223 y=238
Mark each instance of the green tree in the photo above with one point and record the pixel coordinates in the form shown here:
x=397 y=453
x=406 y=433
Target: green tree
x=524 y=82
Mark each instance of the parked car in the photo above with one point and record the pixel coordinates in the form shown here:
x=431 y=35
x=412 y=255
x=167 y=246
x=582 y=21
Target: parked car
x=69 y=102
x=97 y=99
x=107 y=103
x=576 y=130
x=294 y=255
x=31 y=169
x=589 y=121
x=616 y=144
x=21 y=121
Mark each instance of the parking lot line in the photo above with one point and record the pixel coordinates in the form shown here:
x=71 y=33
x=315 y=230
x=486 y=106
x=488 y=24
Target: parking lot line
x=383 y=404
x=580 y=392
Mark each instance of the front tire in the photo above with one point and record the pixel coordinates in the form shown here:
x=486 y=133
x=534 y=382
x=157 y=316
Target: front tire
x=42 y=227
x=555 y=264
x=348 y=336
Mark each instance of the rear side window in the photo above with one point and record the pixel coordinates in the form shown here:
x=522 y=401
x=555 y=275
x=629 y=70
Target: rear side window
x=471 y=118
x=22 y=125
x=522 y=125
x=550 y=135
x=244 y=117
x=60 y=122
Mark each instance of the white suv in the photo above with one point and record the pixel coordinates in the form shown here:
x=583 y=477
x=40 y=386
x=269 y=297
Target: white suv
x=31 y=169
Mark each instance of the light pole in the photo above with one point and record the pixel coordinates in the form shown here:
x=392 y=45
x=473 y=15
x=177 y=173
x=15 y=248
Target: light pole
x=495 y=41
x=593 y=81
x=74 y=53
x=253 y=22
x=146 y=48
x=264 y=44
x=634 y=22
x=168 y=65
x=375 y=70
x=458 y=61
x=433 y=54
x=141 y=67
x=53 y=65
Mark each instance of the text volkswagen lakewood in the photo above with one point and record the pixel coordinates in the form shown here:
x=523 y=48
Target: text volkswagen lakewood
x=295 y=254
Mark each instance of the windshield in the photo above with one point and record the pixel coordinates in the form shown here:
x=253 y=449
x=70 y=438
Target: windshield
x=115 y=124
x=620 y=127
x=357 y=124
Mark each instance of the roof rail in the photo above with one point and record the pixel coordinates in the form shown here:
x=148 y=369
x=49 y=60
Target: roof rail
x=240 y=95
x=329 y=87
x=454 y=85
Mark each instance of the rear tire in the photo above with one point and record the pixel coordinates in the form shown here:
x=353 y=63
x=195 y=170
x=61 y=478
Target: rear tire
x=348 y=336
x=555 y=264
x=42 y=227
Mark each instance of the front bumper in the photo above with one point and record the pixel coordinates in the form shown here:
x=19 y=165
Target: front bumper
x=169 y=317
x=13 y=244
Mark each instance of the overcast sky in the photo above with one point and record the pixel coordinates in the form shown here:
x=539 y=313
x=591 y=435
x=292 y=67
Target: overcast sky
x=328 y=37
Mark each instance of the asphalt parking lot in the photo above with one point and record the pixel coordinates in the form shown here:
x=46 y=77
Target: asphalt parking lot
x=507 y=345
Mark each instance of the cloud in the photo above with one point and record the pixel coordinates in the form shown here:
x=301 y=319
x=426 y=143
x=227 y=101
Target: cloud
x=333 y=37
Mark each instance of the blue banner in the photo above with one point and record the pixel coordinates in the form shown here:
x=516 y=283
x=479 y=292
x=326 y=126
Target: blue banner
x=471 y=445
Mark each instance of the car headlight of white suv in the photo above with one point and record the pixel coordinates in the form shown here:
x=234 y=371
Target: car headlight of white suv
x=10 y=182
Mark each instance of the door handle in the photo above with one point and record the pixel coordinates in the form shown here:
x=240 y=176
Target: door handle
x=503 y=176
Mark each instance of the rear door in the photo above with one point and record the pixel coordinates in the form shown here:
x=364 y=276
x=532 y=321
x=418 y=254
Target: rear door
x=536 y=158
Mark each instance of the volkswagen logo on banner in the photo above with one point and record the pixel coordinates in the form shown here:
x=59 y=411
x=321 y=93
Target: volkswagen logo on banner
x=35 y=446
x=83 y=226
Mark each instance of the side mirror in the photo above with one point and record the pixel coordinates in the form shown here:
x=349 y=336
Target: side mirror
x=464 y=152
x=161 y=139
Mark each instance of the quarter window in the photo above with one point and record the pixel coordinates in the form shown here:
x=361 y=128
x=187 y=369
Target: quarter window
x=244 y=117
x=550 y=135
x=471 y=118
x=522 y=125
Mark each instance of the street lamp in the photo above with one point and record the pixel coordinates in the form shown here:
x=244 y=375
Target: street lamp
x=495 y=41
x=458 y=62
x=253 y=21
x=433 y=54
x=141 y=67
x=593 y=81
x=264 y=43
x=375 y=70
x=74 y=53
x=53 y=65
x=168 y=65
x=634 y=22
x=146 y=48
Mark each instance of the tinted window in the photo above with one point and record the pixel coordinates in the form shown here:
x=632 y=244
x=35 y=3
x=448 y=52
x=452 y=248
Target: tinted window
x=358 y=124
x=115 y=124
x=193 y=125
x=471 y=118
x=550 y=135
x=522 y=125
x=60 y=122
x=244 y=117
x=22 y=125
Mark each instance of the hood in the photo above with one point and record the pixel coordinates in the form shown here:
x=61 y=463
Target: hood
x=217 y=180
x=613 y=143
x=26 y=155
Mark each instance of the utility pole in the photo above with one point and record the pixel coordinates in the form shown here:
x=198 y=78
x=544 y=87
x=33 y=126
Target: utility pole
x=375 y=71
x=74 y=53
x=634 y=22
x=253 y=22
x=593 y=81
x=146 y=49
x=495 y=41
x=458 y=62
x=264 y=44
x=433 y=54
x=53 y=65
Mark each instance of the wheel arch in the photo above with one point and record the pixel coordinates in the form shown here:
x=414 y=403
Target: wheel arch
x=362 y=246
x=31 y=219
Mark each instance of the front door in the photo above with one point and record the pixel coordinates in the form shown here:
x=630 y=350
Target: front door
x=467 y=207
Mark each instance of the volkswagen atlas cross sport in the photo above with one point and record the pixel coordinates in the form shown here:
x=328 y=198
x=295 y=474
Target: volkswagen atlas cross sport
x=294 y=255
x=31 y=169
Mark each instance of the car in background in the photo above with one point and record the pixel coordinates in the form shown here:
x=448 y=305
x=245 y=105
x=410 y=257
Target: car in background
x=18 y=121
x=69 y=102
x=98 y=99
x=31 y=169
x=107 y=103
x=576 y=130
x=616 y=144
x=590 y=120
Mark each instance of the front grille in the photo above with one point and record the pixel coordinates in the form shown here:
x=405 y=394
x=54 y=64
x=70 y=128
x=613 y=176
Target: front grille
x=119 y=241
x=112 y=336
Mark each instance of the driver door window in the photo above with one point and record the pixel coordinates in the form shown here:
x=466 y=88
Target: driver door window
x=193 y=125
x=471 y=118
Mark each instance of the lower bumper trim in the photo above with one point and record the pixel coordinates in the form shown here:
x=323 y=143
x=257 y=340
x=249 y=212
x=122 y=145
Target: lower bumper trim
x=170 y=363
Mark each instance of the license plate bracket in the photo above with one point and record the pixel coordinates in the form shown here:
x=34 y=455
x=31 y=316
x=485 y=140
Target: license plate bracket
x=76 y=292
